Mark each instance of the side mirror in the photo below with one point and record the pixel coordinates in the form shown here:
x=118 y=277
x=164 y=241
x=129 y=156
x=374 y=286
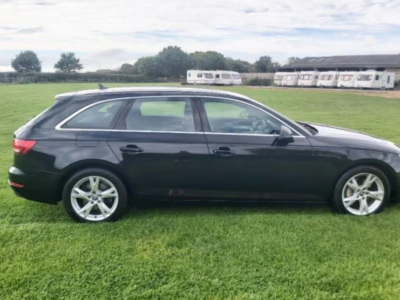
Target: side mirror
x=285 y=137
x=286 y=134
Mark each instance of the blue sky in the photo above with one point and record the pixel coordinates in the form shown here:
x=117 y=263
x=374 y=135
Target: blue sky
x=105 y=34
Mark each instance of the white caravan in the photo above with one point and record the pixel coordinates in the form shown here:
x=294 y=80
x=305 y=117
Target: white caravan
x=291 y=79
x=347 y=79
x=279 y=77
x=328 y=79
x=200 y=77
x=222 y=78
x=308 y=78
x=236 y=79
x=372 y=79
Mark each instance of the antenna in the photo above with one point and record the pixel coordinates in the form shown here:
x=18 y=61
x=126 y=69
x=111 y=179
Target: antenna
x=102 y=87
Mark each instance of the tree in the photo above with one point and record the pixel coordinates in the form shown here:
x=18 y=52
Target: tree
x=173 y=62
x=264 y=64
x=26 y=61
x=147 y=66
x=238 y=65
x=292 y=60
x=209 y=60
x=127 y=69
x=68 y=63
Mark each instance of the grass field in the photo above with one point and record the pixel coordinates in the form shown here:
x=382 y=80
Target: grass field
x=202 y=251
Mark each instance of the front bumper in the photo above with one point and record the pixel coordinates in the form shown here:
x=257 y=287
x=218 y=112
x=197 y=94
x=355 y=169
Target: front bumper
x=36 y=185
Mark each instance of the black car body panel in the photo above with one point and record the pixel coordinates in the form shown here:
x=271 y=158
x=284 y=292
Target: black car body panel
x=198 y=164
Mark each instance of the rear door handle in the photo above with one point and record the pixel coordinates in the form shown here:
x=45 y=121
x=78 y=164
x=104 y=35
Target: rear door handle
x=224 y=151
x=131 y=149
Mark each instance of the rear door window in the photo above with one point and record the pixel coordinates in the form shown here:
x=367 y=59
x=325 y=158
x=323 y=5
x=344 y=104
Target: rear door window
x=161 y=114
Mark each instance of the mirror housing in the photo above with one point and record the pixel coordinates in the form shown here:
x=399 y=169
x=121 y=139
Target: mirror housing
x=285 y=136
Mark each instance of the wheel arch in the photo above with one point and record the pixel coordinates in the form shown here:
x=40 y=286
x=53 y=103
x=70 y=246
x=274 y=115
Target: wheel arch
x=380 y=165
x=99 y=164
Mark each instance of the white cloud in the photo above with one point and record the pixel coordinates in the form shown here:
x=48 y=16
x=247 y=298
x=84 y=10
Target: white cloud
x=246 y=29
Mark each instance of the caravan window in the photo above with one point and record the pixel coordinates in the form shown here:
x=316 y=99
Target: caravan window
x=235 y=76
x=326 y=77
x=337 y=77
x=217 y=76
x=226 y=76
x=208 y=75
x=199 y=75
x=316 y=77
x=377 y=77
x=346 y=77
x=364 y=77
x=305 y=77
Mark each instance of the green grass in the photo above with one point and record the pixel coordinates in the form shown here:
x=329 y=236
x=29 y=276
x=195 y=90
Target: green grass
x=202 y=251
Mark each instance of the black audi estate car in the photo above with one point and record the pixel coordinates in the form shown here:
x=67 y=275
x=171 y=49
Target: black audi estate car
x=96 y=150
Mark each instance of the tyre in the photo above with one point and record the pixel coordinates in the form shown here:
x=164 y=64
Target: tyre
x=361 y=191
x=94 y=195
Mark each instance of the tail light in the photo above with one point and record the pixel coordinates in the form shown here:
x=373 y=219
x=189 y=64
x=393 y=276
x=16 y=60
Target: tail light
x=22 y=147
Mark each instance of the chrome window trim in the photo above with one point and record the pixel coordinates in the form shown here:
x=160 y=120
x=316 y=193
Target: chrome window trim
x=59 y=125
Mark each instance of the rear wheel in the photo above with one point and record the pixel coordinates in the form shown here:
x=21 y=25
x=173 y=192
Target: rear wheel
x=94 y=195
x=361 y=191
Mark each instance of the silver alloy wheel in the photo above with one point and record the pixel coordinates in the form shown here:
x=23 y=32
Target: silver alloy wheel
x=363 y=194
x=94 y=198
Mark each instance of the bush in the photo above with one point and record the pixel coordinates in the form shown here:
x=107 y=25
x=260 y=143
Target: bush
x=259 y=82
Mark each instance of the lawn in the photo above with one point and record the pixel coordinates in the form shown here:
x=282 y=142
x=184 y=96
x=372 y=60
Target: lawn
x=199 y=251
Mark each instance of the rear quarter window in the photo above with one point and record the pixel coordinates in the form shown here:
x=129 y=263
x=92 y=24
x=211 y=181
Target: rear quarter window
x=98 y=116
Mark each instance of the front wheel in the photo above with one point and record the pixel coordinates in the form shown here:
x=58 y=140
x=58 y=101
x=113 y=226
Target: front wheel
x=94 y=195
x=361 y=191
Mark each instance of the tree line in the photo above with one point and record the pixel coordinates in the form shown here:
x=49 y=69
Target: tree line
x=170 y=62
x=173 y=62
x=28 y=62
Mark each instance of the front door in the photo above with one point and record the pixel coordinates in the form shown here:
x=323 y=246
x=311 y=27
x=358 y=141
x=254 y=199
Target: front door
x=246 y=159
x=161 y=146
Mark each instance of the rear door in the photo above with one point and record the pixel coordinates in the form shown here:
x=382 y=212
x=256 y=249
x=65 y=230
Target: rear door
x=160 y=144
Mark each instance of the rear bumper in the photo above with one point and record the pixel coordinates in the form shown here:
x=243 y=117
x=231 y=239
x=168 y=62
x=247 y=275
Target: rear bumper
x=35 y=185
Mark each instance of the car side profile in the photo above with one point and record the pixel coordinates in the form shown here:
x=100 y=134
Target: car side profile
x=96 y=150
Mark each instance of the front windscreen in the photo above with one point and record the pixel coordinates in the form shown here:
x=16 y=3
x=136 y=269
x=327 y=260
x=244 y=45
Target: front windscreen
x=346 y=77
x=289 y=77
x=235 y=76
x=305 y=77
x=364 y=77
x=326 y=77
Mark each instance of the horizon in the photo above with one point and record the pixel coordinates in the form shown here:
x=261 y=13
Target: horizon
x=105 y=37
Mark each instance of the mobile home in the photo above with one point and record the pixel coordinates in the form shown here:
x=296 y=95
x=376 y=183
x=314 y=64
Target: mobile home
x=328 y=79
x=347 y=79
x=222 y=78
x=200 y=77
x=291 y=79
x=236 y=79
x=308 y=78
x=279 y=77
x=372 y=79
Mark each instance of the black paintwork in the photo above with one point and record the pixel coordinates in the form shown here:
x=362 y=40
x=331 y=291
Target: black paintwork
x=198 y=165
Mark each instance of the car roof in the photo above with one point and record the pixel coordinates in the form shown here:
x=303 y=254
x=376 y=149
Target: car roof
x=149 y=89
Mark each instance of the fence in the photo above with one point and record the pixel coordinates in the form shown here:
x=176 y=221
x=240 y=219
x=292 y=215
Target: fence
x=70 y=77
